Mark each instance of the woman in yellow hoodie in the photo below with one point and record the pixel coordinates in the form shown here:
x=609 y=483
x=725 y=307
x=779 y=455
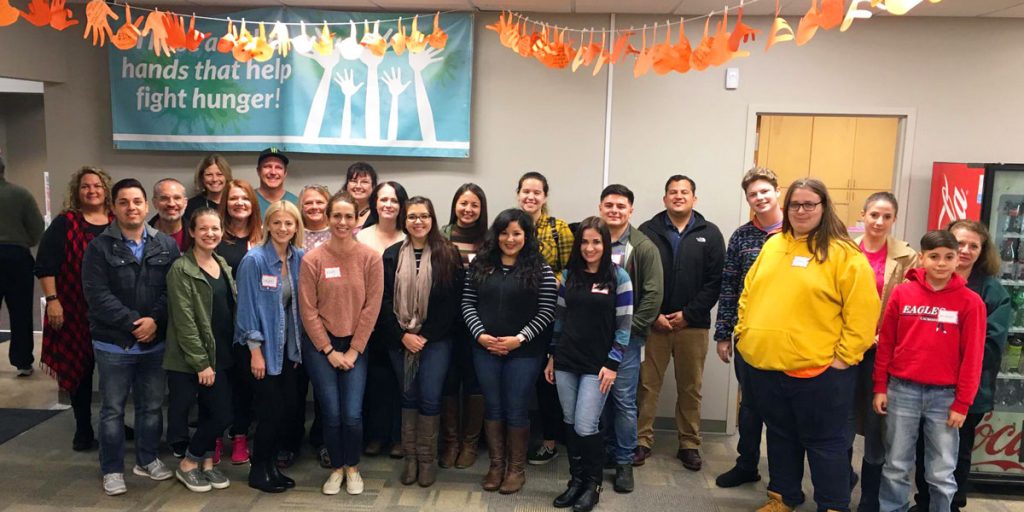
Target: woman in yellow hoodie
x=808 y=312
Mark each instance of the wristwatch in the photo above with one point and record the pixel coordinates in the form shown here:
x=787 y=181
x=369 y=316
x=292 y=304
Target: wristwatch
x=51 y=298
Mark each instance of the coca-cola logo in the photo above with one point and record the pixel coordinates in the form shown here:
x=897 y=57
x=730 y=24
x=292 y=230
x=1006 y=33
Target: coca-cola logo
x=999 y=441
x=954 y=206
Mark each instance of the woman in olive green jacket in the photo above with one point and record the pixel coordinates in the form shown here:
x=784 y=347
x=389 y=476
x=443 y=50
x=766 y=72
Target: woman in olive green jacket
x=201 y=304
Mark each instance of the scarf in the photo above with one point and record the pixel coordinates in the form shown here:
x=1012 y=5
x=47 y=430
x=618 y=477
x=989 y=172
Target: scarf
x=67 y=353
x=412 y=294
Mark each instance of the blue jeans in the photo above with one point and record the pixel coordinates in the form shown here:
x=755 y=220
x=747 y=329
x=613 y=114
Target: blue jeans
x=425 y=392
x=620 y=414
x=807 y=416
x=582 y=401
x=143 y=376
x=340 y=394
x=911 y=405
x=507 y=384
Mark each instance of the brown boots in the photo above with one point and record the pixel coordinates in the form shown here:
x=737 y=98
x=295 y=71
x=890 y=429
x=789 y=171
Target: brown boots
x=453 y=452
x=409 y=417
x=517 y=439
x=426 y=449
x=494 y=431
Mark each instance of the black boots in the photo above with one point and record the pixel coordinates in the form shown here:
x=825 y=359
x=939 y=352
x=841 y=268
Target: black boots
x=575 y=486
x=260 y=478
x=592 y=452
x=870 y=480
x=623 y=478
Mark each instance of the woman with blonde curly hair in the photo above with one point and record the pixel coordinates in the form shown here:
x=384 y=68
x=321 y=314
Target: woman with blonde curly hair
x=67 y=345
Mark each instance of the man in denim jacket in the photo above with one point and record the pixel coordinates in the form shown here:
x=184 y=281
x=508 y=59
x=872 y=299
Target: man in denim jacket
x=123 y=277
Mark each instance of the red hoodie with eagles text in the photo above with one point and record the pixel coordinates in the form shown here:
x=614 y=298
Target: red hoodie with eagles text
x=933 y=337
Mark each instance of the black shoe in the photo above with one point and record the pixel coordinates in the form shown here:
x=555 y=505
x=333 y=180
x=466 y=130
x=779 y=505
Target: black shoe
x=542 y=455
x=178 y=450
x=129 y=433
x=84 y=441
x=285 y=459
x=259 y=478
x=571 y=494
x=276 y=475
x=736 y=476
x=690 y=458
x=589 y=498
x=623 y=478
x=917 y=508
x=324 y=458
x=640 y=455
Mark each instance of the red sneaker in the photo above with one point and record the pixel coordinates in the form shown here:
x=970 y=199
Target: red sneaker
x=217 y=448
x=239 y=450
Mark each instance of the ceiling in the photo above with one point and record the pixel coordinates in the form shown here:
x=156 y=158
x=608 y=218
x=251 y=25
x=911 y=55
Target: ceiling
x=950 y=8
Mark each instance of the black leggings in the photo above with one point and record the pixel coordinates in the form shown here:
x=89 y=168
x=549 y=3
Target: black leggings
x=214 y=408
x=81 y=401
x=275 y=410
x=242 y=389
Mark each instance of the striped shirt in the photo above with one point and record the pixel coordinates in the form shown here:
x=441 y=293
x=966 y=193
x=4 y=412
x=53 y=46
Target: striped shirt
x=501 y=306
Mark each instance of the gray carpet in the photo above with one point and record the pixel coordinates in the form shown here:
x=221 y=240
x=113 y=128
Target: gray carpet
x=16 y=421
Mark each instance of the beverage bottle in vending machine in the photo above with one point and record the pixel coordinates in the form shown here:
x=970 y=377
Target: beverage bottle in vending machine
x=1017 y=301
x=1008 y=255
x=1011 y=359
x=1013 y=220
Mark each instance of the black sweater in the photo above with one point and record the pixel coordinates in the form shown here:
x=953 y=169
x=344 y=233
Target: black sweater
x=442 y=314
x=502 y=306
x=693 y=275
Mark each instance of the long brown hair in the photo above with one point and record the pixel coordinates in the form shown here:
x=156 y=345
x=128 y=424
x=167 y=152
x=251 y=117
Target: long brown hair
x=830 y=228
x=255 y=223
x=444 y=257
x=213 y=159
x=988 y=262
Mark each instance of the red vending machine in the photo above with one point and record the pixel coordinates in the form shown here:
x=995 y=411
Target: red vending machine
x=994 y=195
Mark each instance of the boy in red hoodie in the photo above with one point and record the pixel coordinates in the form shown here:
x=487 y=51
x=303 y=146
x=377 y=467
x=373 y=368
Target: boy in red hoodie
x=928 y=366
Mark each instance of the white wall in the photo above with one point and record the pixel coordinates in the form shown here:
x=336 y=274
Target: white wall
x=957 y=76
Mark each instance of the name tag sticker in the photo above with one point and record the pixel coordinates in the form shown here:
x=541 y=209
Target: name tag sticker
x=947 y=317
x=801 y=261
x=617 y=259
x=269 y=281
x=471 y=256
x=332 y=272
x=599 y=289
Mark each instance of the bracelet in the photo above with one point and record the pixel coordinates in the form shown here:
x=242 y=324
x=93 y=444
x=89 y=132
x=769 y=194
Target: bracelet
x=329 y=353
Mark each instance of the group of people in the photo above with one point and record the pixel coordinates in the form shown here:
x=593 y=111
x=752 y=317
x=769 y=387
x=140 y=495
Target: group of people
x=238 y=298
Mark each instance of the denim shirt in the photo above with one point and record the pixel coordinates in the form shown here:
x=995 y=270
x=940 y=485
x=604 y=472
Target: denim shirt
x=261 y=314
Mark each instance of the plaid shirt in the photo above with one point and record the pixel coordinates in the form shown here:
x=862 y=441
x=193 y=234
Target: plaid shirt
x=555 y=241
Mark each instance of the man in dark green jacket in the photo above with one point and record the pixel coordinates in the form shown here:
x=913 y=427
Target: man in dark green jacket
x=634 y=252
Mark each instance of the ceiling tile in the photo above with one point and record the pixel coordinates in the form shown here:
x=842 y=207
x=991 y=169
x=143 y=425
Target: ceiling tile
x=617 y=6
x=564 y=6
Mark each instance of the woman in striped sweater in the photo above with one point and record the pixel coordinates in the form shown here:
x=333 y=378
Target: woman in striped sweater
x=507 y=303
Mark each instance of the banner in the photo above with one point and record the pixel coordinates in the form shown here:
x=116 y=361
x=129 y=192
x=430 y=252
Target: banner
x=334 y=97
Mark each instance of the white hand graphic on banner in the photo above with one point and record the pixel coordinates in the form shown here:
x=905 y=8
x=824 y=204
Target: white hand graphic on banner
x=418 y=62
x=346 y=80
x=372 y=114
x=395 y=89
x=316 y=109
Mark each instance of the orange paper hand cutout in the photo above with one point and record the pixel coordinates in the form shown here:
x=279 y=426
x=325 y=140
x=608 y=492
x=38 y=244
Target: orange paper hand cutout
x=720 y=53
x=645 y=58
x=681 y=62
x=8 y=14
x=664 y=53
x=854 y=12
x=372 y=41
x=174 y=24
x=227 y=42
x=262 y=51
x=398 y=40
x=128 y=35
x=438 y=38
x=193 y=37
x=577 y=60
x=96 y=14
x=38 y=13
x=741 y=33
x=700 y=58
x=242 y=52
x=620 y=47
x=416 y=42
x=808 y=25
x=602 y=55
x=155 y=26
x=831 y=14
x=60 y=17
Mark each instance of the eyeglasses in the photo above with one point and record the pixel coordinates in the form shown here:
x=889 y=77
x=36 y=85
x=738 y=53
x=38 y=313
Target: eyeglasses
x=422 y=218
x=807 y=207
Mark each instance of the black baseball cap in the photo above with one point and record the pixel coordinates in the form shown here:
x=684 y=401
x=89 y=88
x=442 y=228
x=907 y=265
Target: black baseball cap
x=272 y=152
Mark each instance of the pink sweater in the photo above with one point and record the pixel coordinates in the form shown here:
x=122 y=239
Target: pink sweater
x=340 y=294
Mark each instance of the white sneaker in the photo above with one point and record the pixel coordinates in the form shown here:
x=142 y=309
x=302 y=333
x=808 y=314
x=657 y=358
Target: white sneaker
x=333 y=484
x=353 y=483
x=155 y=470
x=113 y=484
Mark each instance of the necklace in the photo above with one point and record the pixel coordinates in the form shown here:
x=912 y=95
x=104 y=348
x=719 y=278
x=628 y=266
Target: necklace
x=364 y=211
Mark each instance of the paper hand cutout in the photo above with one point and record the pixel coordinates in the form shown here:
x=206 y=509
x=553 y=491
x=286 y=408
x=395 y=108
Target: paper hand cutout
x=155 y=26
x=854 y=12
x=831 y=14
x=38 y=13
x=128 y=35
x=302 y=43
x=324 y=43
x=8 y=14
x=602 y=55
x=741 y=33
x=279 y=39
x=646 y=58
x=503 y=27
x=349 y=47
x=227 y=42
x=781 y=31
x=808 y=25
x=373 y=42
x=438 y=38
x=96 y=14
x=720 y=53
x=399 y=39
x=619 y=49
x=262 y=50
x=61 y=17
x=416 y=41
x=663 y=55
x=174 y=24
x=242 y=52
x=700 y=58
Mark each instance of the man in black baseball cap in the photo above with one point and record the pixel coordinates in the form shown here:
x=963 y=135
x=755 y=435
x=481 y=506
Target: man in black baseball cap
x=272 y=168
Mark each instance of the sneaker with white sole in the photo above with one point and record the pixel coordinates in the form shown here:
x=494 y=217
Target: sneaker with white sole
x=113 y=484
x=193 y=480
x=354 y=483
x=155 y=470
x=333 y=484
x=25 y=372
x=217 y=479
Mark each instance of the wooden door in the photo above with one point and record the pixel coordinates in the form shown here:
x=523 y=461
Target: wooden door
x=783 y=146
x=832 y=150
x=874 y=156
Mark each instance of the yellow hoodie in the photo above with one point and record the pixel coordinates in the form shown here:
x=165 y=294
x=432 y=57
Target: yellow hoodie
x=796 y=313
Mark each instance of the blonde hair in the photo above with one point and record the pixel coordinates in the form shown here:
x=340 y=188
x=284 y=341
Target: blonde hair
x=72 y=202
x=299 y=239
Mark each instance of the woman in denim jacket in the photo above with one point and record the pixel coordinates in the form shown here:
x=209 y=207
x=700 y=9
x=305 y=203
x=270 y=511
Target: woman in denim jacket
x=268 y=323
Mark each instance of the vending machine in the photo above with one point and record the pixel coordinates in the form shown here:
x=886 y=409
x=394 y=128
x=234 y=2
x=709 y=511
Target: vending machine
x=997 y=455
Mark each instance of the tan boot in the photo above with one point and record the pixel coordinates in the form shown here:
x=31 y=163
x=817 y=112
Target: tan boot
x=775 y=504
x=495 y=433
x=518 y=439
x=426 y=449
x=409 y=446
x=473 y=415
x=449 y=432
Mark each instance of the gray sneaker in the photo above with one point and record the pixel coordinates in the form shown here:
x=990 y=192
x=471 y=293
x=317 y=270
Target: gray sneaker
x=217 y=479
x=113 y=484
x=155 y=470
x=194 y=480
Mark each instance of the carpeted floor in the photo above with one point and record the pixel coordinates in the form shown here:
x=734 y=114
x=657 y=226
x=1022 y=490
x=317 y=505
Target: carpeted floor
x=16 y=421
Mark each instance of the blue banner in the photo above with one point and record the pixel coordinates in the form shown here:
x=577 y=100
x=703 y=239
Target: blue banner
x=330 y=94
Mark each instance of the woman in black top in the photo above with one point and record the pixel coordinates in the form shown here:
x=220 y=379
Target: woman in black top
x=467 y=227
x=422 y=294
x=508 y=303
x=67 y=344
x=212 y=175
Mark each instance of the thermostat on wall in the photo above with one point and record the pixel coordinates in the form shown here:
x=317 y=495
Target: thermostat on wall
x=732 y=78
